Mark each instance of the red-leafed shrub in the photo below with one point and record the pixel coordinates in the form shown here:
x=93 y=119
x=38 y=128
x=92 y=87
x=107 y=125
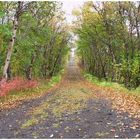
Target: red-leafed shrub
x=16 y=84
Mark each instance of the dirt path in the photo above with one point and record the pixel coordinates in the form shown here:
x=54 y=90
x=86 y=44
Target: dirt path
x=73 y=110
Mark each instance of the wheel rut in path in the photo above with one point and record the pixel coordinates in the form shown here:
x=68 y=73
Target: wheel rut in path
x=74 y=110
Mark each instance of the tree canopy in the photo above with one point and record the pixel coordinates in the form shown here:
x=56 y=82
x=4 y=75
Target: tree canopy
x=33 y=39
x=108 y=40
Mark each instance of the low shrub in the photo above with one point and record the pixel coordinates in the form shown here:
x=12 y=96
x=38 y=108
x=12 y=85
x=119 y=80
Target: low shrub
x=16 y=84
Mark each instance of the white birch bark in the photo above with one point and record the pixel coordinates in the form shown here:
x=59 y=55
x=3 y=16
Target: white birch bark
x=12 y=42
x=10 y=48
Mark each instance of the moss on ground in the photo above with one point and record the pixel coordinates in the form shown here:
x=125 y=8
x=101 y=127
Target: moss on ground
x=29 y=123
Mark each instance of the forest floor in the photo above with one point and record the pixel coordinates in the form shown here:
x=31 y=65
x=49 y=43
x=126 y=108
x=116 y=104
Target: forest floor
x=75 y=109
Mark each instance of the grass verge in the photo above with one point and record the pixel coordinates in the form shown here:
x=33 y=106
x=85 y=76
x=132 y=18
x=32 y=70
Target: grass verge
x=122 y=99
x=112 y=85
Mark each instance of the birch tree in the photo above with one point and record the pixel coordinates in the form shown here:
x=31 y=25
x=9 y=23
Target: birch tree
x=17 y=15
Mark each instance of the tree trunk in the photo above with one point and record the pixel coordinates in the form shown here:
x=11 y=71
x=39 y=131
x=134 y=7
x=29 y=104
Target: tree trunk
x=10 y=48
x=30 y=68
x=12 y=41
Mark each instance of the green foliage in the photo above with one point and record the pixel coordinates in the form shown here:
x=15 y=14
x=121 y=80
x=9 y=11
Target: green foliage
x=95 y=80
x=2 y=14
x=107 y=45
x=41 y=39
x=113 y=85
x=54 y=80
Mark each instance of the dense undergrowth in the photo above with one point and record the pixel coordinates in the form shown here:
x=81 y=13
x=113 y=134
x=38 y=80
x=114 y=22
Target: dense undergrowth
x=16 y=84
x=16 y=95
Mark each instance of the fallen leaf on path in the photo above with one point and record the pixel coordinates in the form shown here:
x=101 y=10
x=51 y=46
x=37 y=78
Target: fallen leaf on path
x=51 y=135
x=116 y=136
x=112 y=130
x=137 y=136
